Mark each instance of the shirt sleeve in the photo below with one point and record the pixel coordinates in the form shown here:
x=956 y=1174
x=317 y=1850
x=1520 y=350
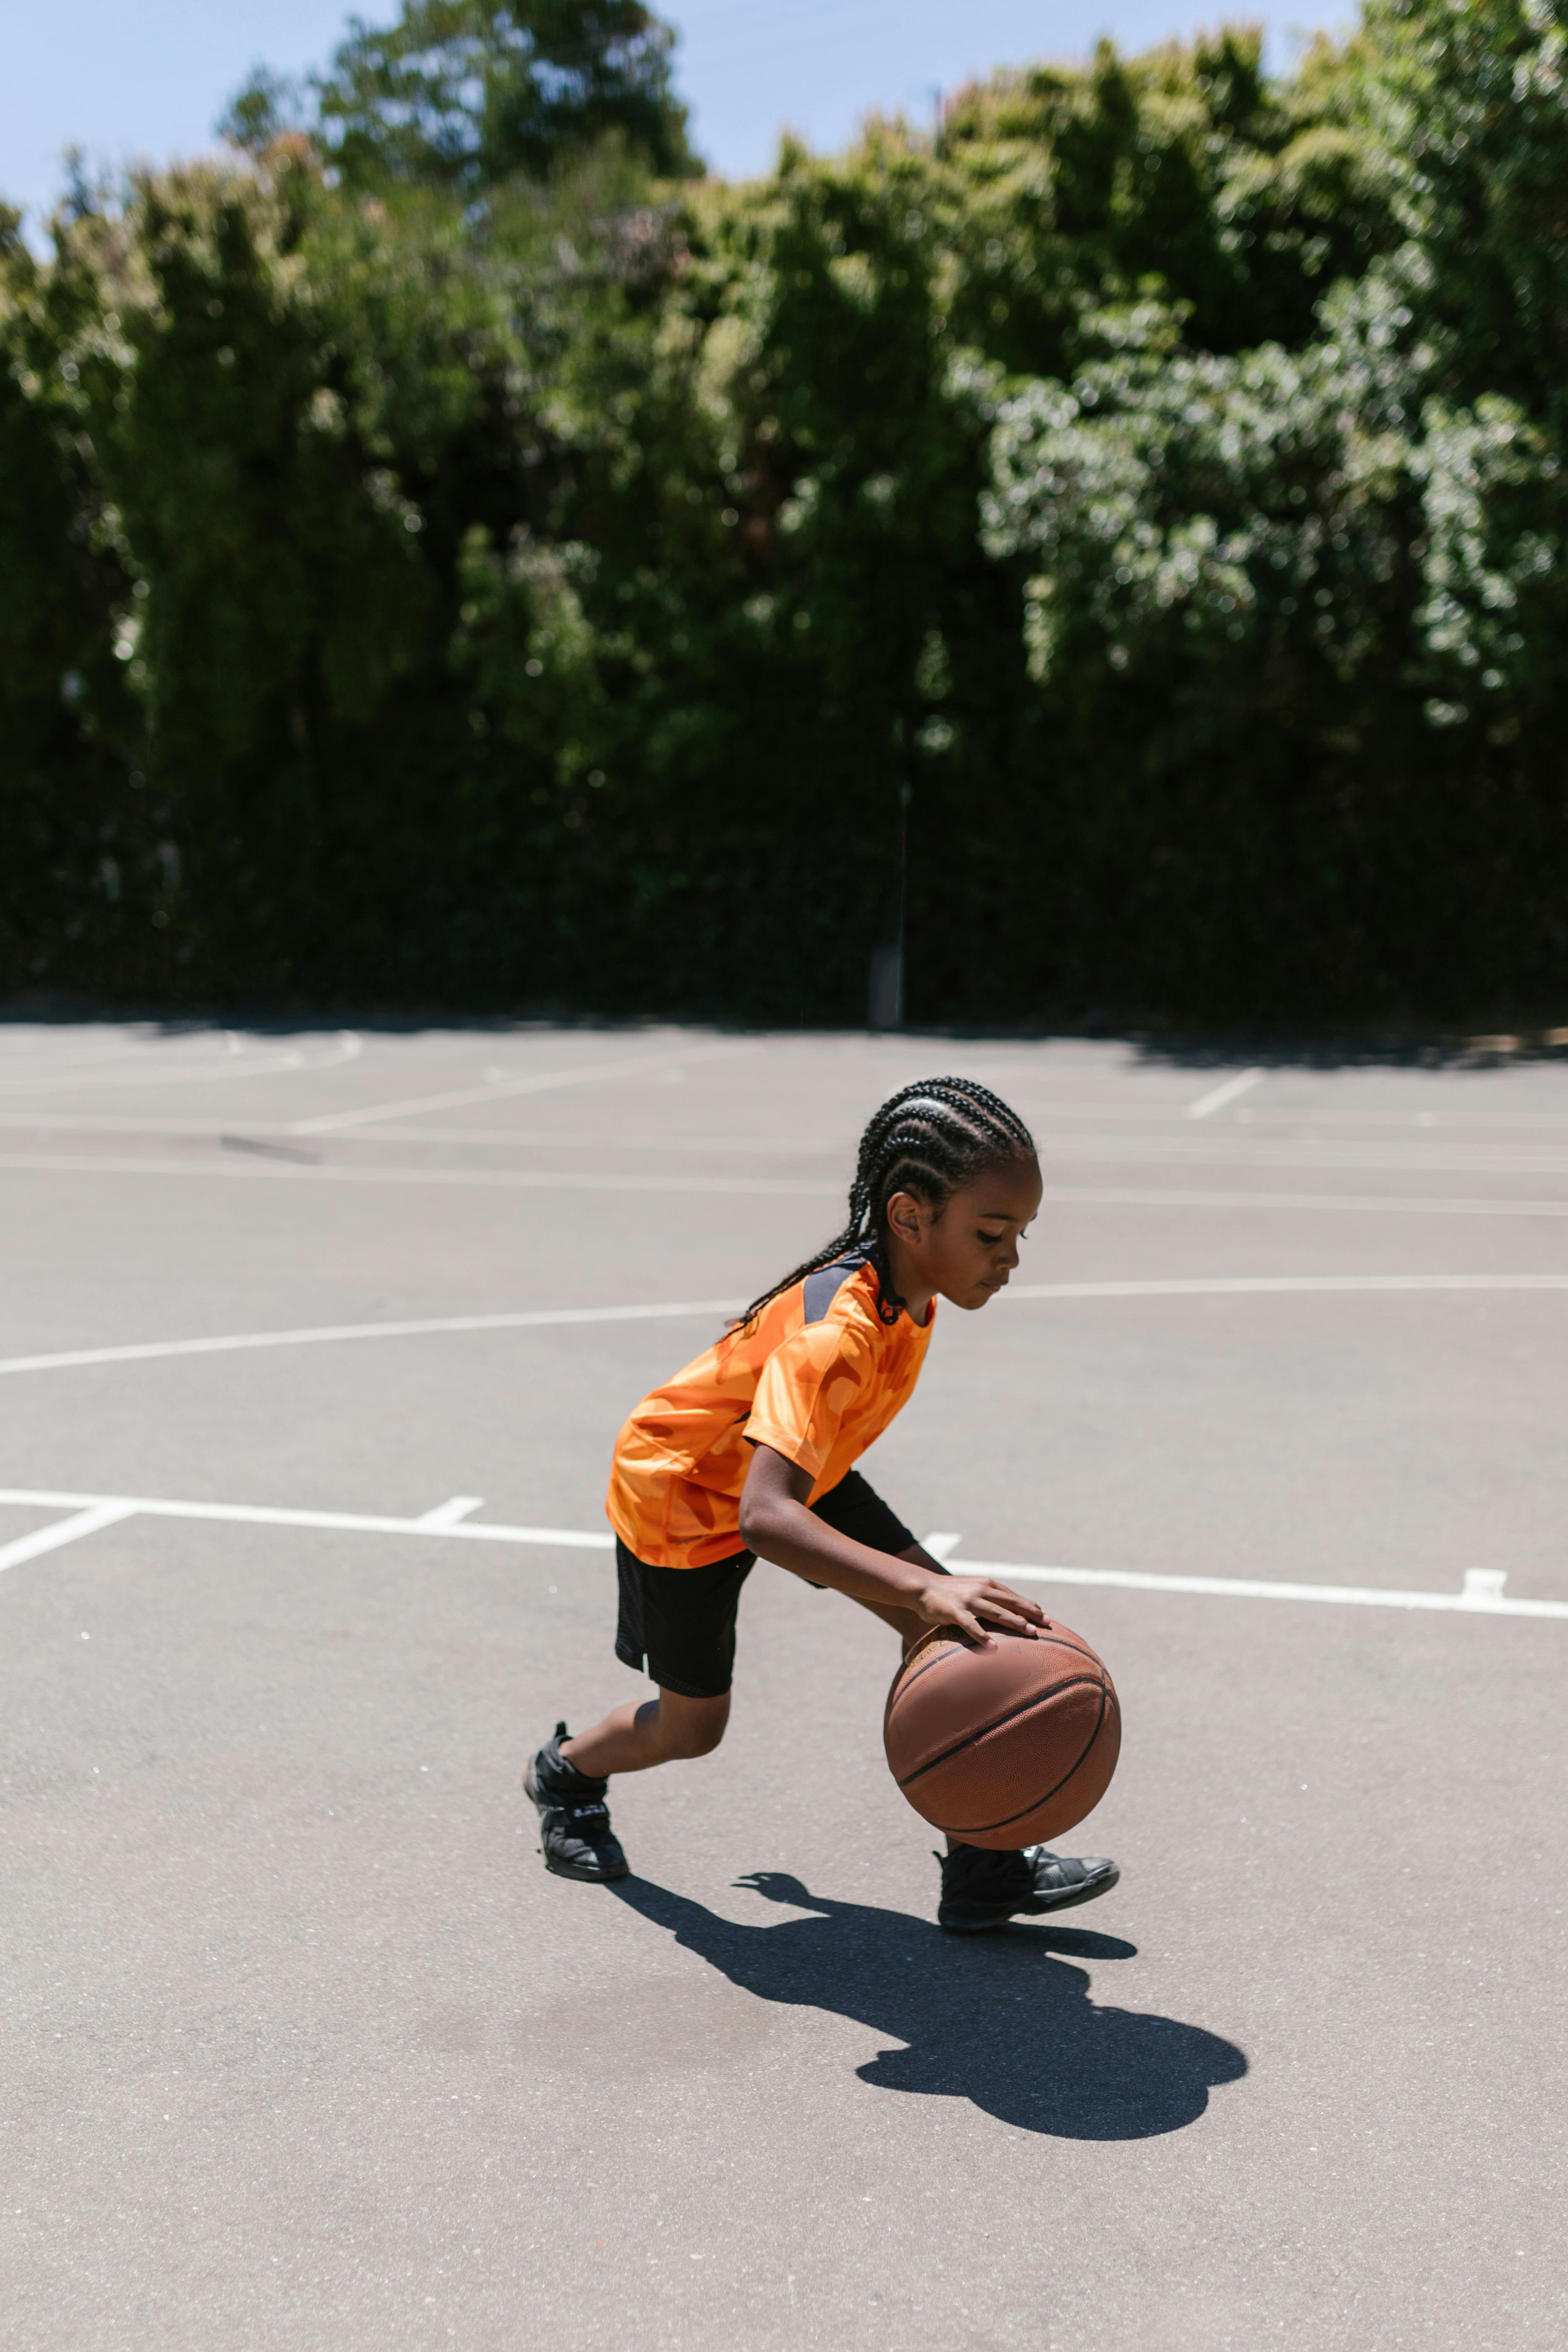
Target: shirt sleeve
x=808 y=1387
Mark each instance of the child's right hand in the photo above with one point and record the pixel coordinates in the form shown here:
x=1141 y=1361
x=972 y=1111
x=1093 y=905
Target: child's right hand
x=976 y=1606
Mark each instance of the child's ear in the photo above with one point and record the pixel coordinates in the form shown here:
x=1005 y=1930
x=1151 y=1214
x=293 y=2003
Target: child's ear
x=906 y=1216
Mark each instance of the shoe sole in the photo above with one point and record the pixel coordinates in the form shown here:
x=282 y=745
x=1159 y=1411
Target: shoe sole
x=1034 y=1909
x=588 y=1877
x=564 y=1869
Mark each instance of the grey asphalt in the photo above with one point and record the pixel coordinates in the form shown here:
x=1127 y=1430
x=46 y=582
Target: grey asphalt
x=300 y=2045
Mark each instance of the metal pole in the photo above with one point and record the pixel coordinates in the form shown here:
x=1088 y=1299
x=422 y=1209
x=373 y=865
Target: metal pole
x=905 y=794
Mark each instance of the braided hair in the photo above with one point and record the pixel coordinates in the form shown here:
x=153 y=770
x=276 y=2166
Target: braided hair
x=928 y=1139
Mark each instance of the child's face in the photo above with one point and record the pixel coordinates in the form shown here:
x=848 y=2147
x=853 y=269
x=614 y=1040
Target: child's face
x=966 y=1251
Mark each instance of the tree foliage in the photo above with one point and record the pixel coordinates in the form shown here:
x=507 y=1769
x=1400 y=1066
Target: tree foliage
x=460 y=558
x=466 y=93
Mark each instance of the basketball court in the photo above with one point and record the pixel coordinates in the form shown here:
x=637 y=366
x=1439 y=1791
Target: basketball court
x=314 y=1345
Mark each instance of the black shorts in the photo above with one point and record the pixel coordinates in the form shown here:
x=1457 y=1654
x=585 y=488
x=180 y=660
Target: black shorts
x=680 y=1622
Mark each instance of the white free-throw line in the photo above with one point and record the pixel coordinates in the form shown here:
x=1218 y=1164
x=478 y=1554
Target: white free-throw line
x=1242 y=1285
x=1216 y=1100
x=325 y=1333
x=451 y=1512
x=542 y=1082
x=86 y=1522
x=1481 y=1596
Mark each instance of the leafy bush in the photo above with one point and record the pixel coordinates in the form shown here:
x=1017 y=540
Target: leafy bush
x=452 y=570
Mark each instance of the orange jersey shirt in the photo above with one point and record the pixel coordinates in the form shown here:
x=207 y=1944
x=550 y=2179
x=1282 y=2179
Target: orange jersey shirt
x=818 y=1377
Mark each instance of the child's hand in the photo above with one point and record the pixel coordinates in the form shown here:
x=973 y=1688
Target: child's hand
x=973 y=1604
x=778 y=1886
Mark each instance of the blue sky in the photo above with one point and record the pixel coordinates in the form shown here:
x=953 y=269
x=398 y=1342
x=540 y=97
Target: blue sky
x=131 y=78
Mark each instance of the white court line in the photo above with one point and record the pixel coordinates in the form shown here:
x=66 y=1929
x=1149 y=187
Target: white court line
x=97 y=1515
x=533 y=1181
x=1481 y=1596
x=320 y=1336
x=269 y=1063
x=1145 y=1126
x=570 y=1138
x=1207 y=1104
x=104 y=1509
x=1209 y=1287
x=485 y=1179
x=543 y=1082
x=450 y=1512
x=181 y=1074
x=1229 y=1147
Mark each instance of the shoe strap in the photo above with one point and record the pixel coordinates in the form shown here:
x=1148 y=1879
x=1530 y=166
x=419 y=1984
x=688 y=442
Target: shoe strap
x=589 y=1821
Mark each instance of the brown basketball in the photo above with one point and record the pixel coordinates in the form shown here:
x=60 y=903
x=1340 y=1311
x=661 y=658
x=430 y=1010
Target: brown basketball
x=1003 y=1747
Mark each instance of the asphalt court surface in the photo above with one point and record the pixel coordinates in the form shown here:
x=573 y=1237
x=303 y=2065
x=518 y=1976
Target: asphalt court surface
x=313 y=1348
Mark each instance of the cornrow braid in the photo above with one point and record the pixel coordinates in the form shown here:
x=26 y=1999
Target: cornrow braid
x=928 y=1139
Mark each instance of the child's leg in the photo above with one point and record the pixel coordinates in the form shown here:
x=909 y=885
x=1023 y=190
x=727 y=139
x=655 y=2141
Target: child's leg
x=679 y=1625
x=659 y=1731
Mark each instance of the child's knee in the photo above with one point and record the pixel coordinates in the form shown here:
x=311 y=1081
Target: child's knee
x=696 y=1731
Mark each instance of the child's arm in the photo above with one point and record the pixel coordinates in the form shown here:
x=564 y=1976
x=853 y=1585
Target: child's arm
x=776 y=1525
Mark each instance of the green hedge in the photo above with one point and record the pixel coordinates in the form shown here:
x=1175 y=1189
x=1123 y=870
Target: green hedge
x=555 y=597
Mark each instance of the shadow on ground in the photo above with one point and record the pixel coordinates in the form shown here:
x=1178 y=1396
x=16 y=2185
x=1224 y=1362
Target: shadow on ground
x=998 y=2018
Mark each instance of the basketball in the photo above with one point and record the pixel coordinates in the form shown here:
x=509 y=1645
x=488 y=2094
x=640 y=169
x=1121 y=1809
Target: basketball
x=1004 y=1747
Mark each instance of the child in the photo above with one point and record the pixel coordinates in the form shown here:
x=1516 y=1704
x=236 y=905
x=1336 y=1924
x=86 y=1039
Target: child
x=749 y=1454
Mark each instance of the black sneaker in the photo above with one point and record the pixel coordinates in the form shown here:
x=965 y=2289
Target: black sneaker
x=982 y=1889
x=575 y=1835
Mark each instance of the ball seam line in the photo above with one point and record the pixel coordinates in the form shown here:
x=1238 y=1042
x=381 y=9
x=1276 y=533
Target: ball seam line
x=980 y=1732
